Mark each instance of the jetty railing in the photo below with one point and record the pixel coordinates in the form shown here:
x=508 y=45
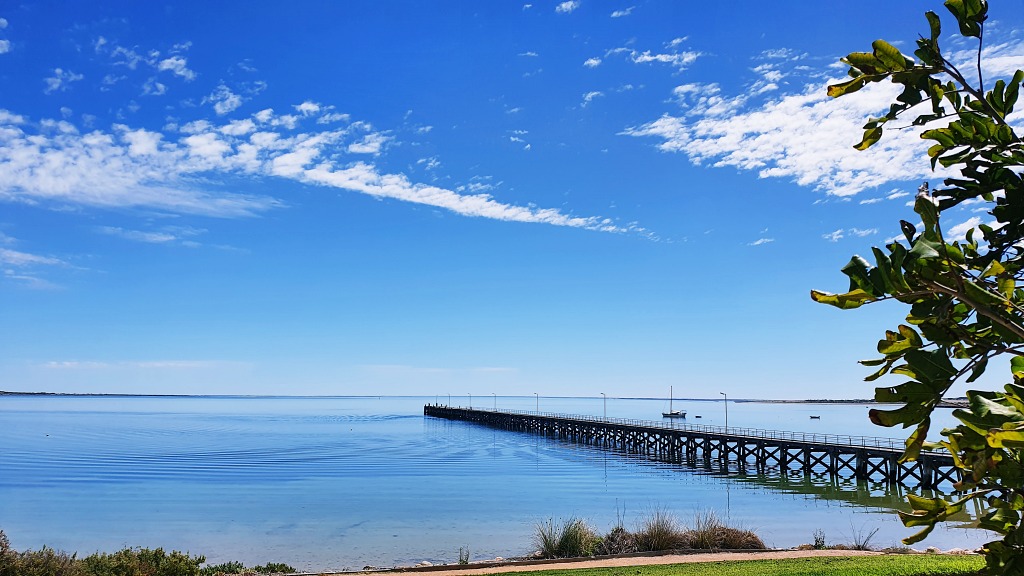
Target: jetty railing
x=864 y=456
x=842 y=440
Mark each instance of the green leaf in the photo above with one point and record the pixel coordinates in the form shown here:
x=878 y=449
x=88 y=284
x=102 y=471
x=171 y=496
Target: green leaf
x=969 y=15
x=890 y=56
x=1012 y=437
x=926 y=208
x=847 y=301
x=977 y=370
x=925 y=249
x=1017 y=368
x=933 y=24
x=931 y=366
x=871 y=135
x=914 y=442
x=858 y=270
x=848 y=87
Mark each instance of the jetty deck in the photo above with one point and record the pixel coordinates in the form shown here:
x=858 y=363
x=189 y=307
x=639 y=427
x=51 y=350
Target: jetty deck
x=862 y=457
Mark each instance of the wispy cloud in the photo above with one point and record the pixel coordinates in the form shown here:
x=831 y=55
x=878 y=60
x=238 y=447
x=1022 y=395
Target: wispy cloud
x=223 y=100
x=761 y=241
x=25 y=268
x=150 y=61
x=176 y=170
x=675 y=58
x=157 y=365
x=567 y=7
x=624 y=12
x=837 y=235
x=168 y=235
x=178 y=65
x=589 y=97
x=804 y=136
x=60 y=80
x=592 y=62
x=959 y=231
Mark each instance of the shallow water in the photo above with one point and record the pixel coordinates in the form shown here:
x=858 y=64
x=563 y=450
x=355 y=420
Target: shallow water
x=335 y=483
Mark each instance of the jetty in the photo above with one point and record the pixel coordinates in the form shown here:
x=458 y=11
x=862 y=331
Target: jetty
x=860 y=457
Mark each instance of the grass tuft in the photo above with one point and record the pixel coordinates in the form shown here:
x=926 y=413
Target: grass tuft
x=659 y=530
x=709 y=533
x=573 y=538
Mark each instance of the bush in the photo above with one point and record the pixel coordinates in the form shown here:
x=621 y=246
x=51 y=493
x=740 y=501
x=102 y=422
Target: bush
x=127 y=562
x=709 y=533
x=143 y=562
x=234 y=567
x=43 y=562
x=618 y=541
x=659 y=530
x=572 y=538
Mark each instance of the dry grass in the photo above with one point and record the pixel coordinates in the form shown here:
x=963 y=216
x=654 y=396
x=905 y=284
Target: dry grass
x=709 y=533
x=572 y=538
x=659 y=530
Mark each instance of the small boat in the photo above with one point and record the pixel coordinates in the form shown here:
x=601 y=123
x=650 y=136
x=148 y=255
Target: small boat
x=672 y=413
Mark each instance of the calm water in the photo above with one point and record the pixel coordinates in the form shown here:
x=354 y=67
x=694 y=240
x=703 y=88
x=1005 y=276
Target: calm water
x=339 y=483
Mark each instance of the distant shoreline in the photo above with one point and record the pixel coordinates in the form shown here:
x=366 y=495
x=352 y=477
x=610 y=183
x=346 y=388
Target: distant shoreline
x=946 y=403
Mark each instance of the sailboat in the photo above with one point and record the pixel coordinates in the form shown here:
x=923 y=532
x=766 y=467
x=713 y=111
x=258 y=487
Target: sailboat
x=672 y=413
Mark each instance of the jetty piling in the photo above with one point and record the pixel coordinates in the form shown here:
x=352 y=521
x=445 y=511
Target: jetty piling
x=862 y=457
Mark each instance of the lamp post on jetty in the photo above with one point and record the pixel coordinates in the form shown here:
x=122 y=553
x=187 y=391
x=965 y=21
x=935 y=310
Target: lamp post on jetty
x=726 y=411
x=605 y=398
x=449 y=400
x=470 y=400
x=538 y=402
x=495 y=394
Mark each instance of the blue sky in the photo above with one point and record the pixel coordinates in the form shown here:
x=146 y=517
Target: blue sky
x=447 y=197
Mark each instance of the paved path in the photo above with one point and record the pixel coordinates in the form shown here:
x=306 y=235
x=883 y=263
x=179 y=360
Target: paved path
x=534 y=566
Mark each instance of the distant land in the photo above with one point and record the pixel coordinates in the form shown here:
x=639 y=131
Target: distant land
x=960 y=402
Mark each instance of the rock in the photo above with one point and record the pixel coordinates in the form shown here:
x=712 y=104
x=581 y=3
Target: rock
x=424 y=563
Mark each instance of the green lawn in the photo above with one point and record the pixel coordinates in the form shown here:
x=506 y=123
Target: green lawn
x=890 y=565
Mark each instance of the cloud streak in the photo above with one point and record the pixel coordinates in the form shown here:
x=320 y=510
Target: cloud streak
x=803 y=136
x=175 y=171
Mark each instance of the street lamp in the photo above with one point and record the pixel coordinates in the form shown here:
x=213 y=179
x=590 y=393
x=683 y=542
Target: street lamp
x=538 y=402
x=726 y=411
x=495 y=394
x=605 y=398
x=470 y=401
x=449 y=400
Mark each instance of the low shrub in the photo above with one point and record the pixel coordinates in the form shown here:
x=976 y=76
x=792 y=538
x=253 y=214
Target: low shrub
x=43 y=562
x=572 y=538
x=659 y=530
x=618 y=541
x=142 y=562
x=234 y=567
x=709 y=533
x=127 y=562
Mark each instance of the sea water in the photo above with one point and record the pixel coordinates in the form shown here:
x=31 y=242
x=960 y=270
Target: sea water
x=341 y=483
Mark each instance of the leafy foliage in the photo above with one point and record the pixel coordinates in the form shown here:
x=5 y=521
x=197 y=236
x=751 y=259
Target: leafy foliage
x=965 y=298
x=127 y=562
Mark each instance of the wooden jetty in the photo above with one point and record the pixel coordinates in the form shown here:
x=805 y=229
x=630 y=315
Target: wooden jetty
x=862 y=457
